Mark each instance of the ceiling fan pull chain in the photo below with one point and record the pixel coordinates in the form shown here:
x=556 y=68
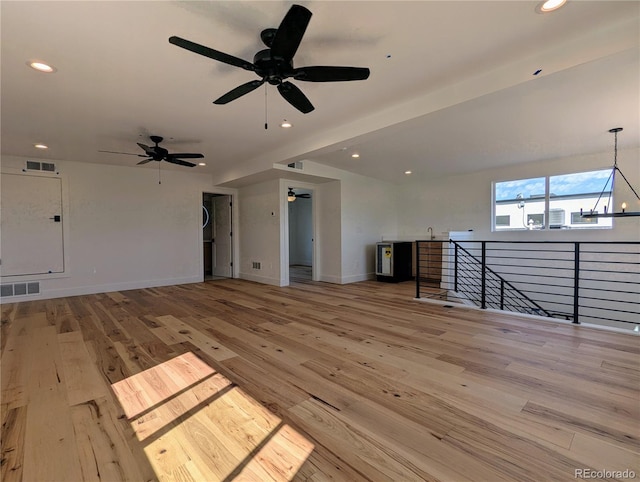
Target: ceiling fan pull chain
x=265 y=107
x=159 y=174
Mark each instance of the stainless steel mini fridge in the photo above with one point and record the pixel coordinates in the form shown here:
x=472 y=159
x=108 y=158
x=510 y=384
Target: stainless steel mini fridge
x=393 y=261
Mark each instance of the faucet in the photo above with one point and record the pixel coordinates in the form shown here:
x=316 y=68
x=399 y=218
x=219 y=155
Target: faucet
x=430 y=230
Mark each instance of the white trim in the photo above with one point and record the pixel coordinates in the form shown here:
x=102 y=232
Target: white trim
x=357 y=277
x=46 y=294
x=260 y=279
x=285 y=184
x=331 y=279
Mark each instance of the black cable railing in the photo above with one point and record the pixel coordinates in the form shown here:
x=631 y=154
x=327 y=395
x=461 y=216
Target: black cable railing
x=595 y=282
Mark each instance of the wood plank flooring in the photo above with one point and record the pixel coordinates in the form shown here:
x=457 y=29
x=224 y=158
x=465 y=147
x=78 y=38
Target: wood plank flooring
x=233 y=380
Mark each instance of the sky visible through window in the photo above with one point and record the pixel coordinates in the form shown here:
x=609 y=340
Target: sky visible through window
x=564 y=185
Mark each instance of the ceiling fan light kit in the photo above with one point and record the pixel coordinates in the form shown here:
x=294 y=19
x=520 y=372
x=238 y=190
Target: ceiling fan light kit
x=623 y=213
x=275 y=63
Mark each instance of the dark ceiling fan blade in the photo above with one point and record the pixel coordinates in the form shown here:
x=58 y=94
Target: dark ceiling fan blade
x=211 y=53
x=180 y=162
x=330 y=74
x=186 y=155
x=239 y=91
x=290 y=32
x=147 y=149
x=295 y=97
x=145 y=161
x=125 y=153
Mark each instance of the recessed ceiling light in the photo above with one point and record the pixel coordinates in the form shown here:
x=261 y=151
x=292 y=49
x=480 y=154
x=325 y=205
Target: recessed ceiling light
x=41 y=66
x=286 y=124
x=355 y=155
x=407 y=172
x=551 y=5
x=41 y=146
x=202 y=164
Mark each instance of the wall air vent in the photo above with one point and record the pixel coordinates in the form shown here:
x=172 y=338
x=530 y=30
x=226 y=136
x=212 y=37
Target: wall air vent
x=556 y=218
x=20 y=289
x=295 y=165
x=41 y=166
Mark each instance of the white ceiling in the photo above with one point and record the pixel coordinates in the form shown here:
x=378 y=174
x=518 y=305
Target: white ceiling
x=451 y=87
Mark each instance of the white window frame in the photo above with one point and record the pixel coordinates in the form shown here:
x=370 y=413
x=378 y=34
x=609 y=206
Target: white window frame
x=572 y=203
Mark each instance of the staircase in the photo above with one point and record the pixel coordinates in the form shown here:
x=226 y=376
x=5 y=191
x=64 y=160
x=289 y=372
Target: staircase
x=593 y=282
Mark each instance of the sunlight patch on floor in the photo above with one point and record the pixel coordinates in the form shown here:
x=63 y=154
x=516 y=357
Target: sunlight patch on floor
x=146 y=389
x=195 y=424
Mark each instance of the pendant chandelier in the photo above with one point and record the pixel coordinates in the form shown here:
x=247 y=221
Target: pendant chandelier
x=623 y=213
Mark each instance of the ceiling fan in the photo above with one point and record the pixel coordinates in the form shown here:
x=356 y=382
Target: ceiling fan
x=157 y=153
x=292 y=196
x=275 y=63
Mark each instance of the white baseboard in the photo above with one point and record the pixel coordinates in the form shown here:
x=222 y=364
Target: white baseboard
x=260 y=279
x=358 y=277
x=330 y=279
x=348 y=279
x=47 y=294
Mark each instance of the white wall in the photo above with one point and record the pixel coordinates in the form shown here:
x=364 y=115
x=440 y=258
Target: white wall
x=460 y=203
x=369 y=211
x=328 y=262
x=123 y=230
x=352 y=213
x=357 y=211
x=260 y=241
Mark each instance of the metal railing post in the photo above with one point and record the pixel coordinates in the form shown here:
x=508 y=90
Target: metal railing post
x=501 y=294
x=417 y=269
x=576 y=282
x=455 y=268
x=483 y=294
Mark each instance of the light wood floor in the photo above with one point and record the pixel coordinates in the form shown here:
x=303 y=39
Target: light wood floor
x=232 y=380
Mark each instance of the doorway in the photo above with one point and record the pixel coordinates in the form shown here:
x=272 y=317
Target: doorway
x=300 y=206
x=217 y=246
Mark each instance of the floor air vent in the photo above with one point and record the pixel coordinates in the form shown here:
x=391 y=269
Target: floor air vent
x=20 y=289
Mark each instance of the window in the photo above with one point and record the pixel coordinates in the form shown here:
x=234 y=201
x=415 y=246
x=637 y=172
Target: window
x=576 y=218
x=537 y=220
x=522 y=203
x=514 y=200
x=572 y=192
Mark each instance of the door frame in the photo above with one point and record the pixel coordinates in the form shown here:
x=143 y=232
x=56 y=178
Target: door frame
x=284 y=229
x=232 y=193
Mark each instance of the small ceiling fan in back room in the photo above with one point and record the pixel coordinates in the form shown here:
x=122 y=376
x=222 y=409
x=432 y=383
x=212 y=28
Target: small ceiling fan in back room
x=157 y=153
x=275 y=63
x=292 y=196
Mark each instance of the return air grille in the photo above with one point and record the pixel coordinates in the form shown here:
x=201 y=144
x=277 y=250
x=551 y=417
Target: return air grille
x=41 y=166
x=295 y=165
x=20 y=289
